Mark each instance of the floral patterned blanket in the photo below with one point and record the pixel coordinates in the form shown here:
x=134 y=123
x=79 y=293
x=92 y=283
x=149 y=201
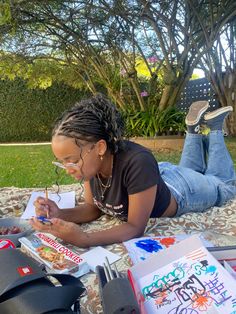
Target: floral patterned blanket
x=219 y=222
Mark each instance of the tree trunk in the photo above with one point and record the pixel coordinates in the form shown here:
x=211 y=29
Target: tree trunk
x=167 y=91
x=231 y=122
x=172 y=92
x=116 y=97
x=230 y=92
x=224 y=85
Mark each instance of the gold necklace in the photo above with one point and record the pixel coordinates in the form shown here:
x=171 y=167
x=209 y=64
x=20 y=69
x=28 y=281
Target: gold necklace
x=103 y=187
x=108 y=183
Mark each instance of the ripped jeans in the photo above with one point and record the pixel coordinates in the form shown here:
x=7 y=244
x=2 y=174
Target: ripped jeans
x=196 y=184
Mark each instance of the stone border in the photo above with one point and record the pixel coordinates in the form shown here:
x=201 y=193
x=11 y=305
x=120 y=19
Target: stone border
x=161 y=142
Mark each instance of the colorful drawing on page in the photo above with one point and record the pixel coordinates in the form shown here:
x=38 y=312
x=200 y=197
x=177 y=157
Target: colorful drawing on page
x=141 y=248
x=201 y=286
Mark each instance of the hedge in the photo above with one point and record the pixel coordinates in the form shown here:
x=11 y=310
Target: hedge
x=29 y=114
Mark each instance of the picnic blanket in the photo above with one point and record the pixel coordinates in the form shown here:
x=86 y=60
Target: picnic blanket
x=218 y=221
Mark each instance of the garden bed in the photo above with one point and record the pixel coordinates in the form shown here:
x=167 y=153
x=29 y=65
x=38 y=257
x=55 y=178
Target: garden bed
x=173 y=142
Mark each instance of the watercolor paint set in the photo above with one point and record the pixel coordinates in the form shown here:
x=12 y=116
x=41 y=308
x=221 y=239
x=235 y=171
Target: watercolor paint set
x=184 y=278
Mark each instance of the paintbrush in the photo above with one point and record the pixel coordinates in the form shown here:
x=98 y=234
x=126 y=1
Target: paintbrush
x=46 y=196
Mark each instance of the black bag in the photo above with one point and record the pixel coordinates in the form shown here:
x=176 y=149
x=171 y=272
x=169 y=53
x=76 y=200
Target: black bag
x=26 y=288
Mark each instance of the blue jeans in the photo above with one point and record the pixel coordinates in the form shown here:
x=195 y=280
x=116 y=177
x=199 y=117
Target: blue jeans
x=205 y=176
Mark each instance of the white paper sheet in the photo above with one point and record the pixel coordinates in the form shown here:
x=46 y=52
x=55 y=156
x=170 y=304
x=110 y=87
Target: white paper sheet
x=66 y=200
x=97 y=255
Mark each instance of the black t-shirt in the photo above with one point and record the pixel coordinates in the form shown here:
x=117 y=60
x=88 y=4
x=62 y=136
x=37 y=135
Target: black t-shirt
x=134 y=170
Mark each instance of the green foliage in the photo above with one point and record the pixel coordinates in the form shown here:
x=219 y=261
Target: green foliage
x=153 y=121
x=5 y=12
x=141 y=123
x=96 y=37
x=40 y=73
x=28 y=115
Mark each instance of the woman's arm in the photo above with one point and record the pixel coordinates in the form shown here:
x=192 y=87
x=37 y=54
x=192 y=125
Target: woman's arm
x=85 y=212
x=140 y=207
x=82 y=213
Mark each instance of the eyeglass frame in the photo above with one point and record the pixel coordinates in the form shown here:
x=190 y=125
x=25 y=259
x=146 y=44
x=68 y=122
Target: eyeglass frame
x=71 y=164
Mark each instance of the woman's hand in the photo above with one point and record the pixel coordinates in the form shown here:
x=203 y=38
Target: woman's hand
x=67 y=231
x=44 y=207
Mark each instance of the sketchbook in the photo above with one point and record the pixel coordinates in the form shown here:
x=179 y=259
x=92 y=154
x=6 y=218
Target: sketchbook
x=63 y=200
x=184 y=278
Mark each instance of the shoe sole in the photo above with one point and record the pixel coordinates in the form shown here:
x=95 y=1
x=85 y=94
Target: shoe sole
x=196 y=111
x=218 y=112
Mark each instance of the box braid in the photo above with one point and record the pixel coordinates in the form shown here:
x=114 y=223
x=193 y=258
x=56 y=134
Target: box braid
x=90 y=120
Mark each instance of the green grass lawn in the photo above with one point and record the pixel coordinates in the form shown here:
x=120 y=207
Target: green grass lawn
x=30 y=166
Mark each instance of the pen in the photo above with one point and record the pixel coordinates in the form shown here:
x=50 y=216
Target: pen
x=46 y=196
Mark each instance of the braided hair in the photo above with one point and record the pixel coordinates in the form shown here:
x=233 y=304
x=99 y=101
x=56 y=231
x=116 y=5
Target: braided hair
x=91 y=120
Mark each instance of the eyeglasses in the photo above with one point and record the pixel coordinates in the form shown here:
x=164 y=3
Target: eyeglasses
x=71 y=164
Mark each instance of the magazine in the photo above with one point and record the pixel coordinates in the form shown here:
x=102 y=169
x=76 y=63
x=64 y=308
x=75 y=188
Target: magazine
x=56 y=257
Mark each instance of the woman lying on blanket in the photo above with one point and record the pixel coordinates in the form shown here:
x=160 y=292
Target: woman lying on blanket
x=123 y=179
